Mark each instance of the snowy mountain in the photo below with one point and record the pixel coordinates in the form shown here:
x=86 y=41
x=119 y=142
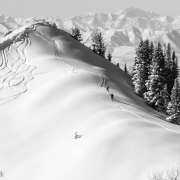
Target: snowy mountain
x=121 y=30
x=54 y=89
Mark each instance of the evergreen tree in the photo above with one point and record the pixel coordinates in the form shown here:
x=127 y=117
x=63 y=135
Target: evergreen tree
x=151 y=52
x=169 y=72
x=156 y=81
x=175 y=69
x=140 y=87
x=162 y=100
x=175 y=118
x=141 y=67
x=137 y=69
x=76 y=34
x=125 y=68
x=174 y=105
x=148 y=50
x=109 y=57
x=98 y=44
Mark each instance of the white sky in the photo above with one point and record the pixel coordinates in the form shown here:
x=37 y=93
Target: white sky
x=68 y=8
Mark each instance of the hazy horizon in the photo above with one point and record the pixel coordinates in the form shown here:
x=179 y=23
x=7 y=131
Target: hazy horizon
x=66 y=9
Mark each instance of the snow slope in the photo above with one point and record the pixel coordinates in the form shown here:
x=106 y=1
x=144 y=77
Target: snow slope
x=59 y=86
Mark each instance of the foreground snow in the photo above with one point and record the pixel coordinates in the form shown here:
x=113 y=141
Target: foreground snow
x=61 y=88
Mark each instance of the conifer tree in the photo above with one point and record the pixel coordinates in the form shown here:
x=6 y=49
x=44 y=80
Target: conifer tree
x=109 y=57
x=156 y=81
x=175 y=69
x=137 y=70
x=151 y=52
x=147 y=57
x=169 y=72
x=175 y=98
x=140 y=87
x=98 y=44
x=162 y=100
x=173 y=108
x=76 y=34
x=142 y=66
x=125 y=68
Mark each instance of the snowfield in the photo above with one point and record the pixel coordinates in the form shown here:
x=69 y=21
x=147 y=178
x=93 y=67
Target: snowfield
x=51 y=86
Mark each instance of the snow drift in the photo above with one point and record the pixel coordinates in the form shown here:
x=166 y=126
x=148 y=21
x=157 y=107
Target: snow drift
x=51 y=87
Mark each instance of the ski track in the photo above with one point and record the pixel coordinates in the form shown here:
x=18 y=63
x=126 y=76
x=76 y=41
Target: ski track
x=103 y=85
x=25 y=74
x=25 y=79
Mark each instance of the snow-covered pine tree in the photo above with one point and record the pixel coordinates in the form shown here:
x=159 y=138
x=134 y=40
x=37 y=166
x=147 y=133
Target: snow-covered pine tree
x=175 y=98
x=109 y=57
x=138 y=70
x=151 y=52
x=162 y=100
x=173 y=108
x=98 y=44
x=175 y=68
x=147 y=57
x=156 y=81
x=175 y=118
x=140 y=87
x=76 y=34
x=169 y=72
x=142 y=66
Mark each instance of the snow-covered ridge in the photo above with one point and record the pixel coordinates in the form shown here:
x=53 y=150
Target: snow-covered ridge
x=121 y=30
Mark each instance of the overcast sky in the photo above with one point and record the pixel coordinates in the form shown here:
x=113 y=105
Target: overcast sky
x=68 y=8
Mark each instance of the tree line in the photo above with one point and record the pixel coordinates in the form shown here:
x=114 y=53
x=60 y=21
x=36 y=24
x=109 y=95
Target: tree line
x=98 y=45
x=155 y=73
x=156 y=78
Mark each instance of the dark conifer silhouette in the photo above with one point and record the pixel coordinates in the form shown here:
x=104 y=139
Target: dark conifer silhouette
x=76 y=34
x=98 y=45
x=109 y=57
x=125 y=68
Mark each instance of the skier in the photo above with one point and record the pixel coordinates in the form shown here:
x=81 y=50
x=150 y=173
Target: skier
x=77 y=136
x=111 y=96
x=107 y=88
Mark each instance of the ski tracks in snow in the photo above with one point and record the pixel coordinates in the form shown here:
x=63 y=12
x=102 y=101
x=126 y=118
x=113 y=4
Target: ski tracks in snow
x=103 y=85
x=12 y=76
x=15 y=71
x=40 y=34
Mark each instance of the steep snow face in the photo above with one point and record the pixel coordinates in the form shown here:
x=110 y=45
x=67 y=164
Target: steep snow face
x=56 y=87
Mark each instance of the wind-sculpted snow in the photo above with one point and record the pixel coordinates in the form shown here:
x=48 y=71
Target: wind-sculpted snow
x=15 y=71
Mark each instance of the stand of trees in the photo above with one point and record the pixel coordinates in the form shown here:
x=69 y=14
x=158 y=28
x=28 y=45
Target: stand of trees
x=98 y=45
x=76 y=34
x=156 y=78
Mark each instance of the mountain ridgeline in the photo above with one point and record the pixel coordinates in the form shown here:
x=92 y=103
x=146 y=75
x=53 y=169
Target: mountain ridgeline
x=122 y=31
